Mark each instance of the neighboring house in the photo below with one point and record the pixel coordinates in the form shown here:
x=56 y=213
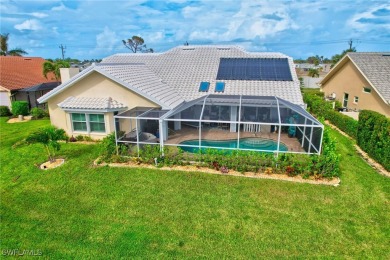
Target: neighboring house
x=306 y=66
x=87 y=103
x=361 y=81
x=21 y=79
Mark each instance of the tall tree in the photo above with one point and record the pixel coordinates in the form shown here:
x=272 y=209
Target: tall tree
x=50 y=66
x=337 y=57
x=4 y=47
x=136 y=44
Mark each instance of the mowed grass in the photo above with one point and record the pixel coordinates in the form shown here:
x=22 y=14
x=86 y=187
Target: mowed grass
x=81 y=211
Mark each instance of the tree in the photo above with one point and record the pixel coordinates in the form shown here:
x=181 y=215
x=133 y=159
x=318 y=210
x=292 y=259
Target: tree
x=136 y=44
x=54 y=66
x=4 y=47
x=336 y=58
x=314 y=73
x=49 y=137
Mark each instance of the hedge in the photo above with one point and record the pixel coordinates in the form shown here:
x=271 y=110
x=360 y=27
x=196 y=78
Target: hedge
x=373 y=136
x=4 y=111
x=37 y=113
x=19 y=108
x=322 y=108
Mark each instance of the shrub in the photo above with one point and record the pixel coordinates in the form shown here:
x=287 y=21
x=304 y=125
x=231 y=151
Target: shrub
x=49 y=137
x=4 y=111
x=19 y=108
x=37 y=113
x=345 y=123
x=328 y=163
x=322 y=108
x=108 y=148
x=374 y=136
x=79 y=138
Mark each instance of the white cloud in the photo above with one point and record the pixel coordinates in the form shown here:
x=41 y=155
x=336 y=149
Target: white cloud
x=190 y=11
x=106 y=40
x=360 y=22
x=39 y=15
x=31 y=24
x=35 y=43
x=60 y=7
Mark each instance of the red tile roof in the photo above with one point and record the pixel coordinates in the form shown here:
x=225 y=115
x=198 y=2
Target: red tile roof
x=22 y=72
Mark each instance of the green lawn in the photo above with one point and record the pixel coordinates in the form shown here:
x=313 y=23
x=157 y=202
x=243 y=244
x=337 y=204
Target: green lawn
x=80 y=211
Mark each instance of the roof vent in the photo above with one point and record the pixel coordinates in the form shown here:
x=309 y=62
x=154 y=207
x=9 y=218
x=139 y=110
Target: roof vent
x=223 y=49
x=188 y=49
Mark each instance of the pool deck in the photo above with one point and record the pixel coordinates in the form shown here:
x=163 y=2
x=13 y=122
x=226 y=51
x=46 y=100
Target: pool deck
x=190 y=133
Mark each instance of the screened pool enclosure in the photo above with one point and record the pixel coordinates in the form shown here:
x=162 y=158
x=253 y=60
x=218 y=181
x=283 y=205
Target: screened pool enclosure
x=226 y=122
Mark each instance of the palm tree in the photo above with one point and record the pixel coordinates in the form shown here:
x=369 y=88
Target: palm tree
x=4 y=47
x=314 y=73
x=49 y=137
x=49 y=66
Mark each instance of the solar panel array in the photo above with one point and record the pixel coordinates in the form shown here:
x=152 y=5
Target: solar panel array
x=266 y=69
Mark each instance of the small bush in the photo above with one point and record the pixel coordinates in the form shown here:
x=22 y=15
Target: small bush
x=80 y=138
x=38 y=113
x=108 y=148
x=19 y=108
x=4 y=111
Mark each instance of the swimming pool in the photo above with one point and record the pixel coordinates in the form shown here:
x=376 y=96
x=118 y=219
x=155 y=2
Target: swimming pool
x=245 y=143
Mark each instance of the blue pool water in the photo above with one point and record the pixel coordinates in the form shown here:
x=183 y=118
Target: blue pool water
x=245 y=143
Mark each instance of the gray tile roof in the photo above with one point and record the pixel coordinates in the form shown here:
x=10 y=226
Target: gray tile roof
x=376 y=68
x=91 y=103
x=183 y=68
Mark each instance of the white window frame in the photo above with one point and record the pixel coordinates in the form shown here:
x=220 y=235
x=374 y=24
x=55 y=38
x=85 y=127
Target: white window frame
x=88 y=123
x=356 y=99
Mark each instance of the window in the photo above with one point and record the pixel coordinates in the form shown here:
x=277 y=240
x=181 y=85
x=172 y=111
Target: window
x=366 y=90
x=204 y=86
x=356 y=100
x=79 y=122
x=88 y=122
x=96 y=122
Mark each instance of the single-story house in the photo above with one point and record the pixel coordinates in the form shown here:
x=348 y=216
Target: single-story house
x=21 y=79
x=158 y=97
x=360 y=80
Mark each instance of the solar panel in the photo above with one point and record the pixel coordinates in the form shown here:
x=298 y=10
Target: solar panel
x=204 y=86
x=220 y=87
x=273 y=69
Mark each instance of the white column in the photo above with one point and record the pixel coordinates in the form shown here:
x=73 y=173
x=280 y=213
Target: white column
x=161 y=131
x=233 y=117
x=165 y=130
x=177 y=124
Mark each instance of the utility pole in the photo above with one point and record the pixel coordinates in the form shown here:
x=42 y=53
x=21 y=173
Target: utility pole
x=63 y=48
x=350 y=44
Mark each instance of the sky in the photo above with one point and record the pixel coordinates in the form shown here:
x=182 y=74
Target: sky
x=94 y=29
